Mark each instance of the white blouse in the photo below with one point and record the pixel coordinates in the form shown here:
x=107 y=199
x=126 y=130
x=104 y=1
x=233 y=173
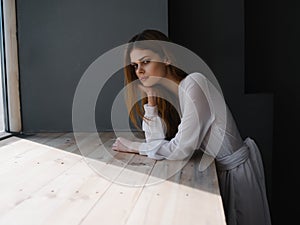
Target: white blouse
x=206 y=124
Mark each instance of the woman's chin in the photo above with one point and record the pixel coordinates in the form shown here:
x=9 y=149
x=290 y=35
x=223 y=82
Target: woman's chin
x=148 y=84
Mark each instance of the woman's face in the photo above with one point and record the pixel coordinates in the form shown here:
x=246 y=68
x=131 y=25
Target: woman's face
x=148 y=66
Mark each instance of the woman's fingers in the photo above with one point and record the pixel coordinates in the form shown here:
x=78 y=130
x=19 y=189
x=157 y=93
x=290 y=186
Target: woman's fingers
x=150 y=91
x=119 y=146
x=115 y=145
x=141 y=87
x=123 y=145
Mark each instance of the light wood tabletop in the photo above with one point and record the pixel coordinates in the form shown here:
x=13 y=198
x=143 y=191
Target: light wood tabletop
x=67 y=179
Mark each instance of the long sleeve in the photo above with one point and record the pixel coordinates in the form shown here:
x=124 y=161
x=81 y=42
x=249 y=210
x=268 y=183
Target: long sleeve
x=155 y=131
x=196 y=118
x=153 y=126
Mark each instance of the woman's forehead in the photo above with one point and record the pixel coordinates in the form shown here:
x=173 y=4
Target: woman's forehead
x=139 y=54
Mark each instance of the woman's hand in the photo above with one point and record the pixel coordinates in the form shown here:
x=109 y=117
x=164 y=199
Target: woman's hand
x=123 y=145
x=150 y=93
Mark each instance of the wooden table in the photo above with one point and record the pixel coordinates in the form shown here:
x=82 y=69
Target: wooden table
x=46 y=180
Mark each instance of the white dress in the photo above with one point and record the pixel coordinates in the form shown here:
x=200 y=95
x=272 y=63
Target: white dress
x=207 y=125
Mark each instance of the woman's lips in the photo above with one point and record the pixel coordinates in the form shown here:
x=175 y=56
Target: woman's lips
x=144 y=78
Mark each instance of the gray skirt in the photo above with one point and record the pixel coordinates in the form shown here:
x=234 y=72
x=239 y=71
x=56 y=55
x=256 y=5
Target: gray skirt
x=242 y=186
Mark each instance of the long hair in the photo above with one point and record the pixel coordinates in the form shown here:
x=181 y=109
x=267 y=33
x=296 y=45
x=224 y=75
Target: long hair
x=166 y=110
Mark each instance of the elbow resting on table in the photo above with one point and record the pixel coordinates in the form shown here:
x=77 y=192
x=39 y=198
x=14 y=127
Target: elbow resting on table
x=181 y=155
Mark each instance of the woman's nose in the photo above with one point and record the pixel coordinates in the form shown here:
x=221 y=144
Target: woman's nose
x=139 y=69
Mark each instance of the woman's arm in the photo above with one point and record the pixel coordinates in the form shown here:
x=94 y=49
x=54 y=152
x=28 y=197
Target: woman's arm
x=196 y=119
x=153 y=125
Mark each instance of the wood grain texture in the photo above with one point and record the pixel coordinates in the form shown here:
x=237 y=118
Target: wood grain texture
x=46 y=180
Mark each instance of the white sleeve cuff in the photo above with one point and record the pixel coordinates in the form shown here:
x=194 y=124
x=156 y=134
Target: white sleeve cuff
x=150 y=110
x=151 y=149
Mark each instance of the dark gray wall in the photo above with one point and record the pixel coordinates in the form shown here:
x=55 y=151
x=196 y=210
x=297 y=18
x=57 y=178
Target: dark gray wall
x=59 y=39
x=215 y=30
x=272 y=44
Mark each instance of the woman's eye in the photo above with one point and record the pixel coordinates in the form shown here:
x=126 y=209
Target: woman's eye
x=146 y=61
x=134 y=66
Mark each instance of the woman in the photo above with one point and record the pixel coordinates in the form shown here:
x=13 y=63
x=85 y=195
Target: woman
x=181 y=113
